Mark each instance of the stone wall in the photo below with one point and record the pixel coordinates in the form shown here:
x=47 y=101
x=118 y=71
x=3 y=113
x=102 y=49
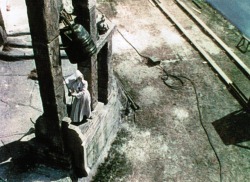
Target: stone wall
x=83 y=147
x=89 y=143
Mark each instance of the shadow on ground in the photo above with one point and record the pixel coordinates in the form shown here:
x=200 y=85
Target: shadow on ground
x=15 y=161
x=234 y=128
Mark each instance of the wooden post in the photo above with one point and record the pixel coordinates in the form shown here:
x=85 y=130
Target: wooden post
x=86 y=16
x=43 y=18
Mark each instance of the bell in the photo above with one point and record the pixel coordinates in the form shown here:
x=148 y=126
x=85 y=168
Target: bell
x=77 y=42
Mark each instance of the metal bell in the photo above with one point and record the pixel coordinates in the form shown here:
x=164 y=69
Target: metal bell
x=77 y=42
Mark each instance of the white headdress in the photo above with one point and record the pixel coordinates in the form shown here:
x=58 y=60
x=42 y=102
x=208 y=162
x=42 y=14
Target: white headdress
x=78 y=74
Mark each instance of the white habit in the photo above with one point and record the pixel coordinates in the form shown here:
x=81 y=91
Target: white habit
x=82 y=101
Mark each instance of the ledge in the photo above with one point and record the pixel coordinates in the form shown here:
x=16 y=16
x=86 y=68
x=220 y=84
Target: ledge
x=104 y=38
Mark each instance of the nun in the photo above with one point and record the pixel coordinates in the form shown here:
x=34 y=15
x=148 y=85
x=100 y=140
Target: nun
x=78 y=88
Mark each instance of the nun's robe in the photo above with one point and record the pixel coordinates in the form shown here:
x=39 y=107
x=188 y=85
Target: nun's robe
x=81 y=101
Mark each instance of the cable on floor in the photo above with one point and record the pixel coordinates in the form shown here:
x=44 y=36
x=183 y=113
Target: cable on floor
x=179 y=78
x=175 y=87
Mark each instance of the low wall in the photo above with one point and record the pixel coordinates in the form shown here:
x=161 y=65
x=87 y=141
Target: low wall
x=89 y=143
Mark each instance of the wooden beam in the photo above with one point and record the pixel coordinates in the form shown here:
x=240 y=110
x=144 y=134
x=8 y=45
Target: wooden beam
x=196 y=45
x=238 y=61
x=231 y=86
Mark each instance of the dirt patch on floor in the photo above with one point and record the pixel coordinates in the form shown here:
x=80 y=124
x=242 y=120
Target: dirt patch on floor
x=166 y=140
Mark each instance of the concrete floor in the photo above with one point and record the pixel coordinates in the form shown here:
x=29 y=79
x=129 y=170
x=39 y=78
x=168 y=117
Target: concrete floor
x=166 y=141
x=20 y=102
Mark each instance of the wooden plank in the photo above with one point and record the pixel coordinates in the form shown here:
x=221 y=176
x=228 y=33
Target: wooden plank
x=231 y=86
x=216 y=38
x=195 y=44
x=151 y=3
